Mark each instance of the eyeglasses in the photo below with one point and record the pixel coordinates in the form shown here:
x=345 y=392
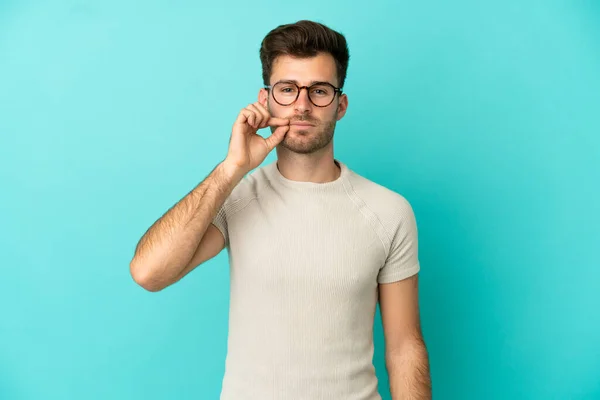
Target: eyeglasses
x=321 y=94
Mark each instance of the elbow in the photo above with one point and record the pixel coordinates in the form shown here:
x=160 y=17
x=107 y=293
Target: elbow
x=410 y=349
x=142 y=275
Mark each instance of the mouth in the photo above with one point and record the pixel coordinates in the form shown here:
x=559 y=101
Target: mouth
x=301 y=124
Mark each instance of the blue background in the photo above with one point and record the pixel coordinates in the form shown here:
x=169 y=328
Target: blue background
x=484 y=115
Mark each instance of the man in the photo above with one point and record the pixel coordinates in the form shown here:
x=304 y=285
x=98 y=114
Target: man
x=312 y=245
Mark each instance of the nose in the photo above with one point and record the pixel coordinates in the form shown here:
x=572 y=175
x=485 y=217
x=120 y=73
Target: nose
x=303 y=104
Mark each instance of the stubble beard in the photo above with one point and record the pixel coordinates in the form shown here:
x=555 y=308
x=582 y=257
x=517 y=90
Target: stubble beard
x=307 y=141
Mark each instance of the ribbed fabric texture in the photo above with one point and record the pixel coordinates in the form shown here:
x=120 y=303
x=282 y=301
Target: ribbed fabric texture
x=305 y=262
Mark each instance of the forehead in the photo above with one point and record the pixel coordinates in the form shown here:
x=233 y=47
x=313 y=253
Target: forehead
x=305 y=70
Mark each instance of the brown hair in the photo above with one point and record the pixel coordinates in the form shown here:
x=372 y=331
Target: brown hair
x=304 y=39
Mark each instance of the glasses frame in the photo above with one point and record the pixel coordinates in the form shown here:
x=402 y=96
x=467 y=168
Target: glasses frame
x=336 y=90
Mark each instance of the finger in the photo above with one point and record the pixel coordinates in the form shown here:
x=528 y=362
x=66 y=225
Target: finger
x=265 y=114
x=277 y=136
x=245 y=117
x=259 y=117
x=271 y=121
x=274 y=121
x=242 y=116
x=251 y=117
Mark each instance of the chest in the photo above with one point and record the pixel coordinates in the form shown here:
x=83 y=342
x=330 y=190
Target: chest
x=314 y=248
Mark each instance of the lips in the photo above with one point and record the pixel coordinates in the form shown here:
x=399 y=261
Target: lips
x=302 y=124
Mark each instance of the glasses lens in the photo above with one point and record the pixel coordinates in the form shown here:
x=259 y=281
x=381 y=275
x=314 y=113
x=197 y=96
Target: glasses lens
x=285 y=93
x=321 y=94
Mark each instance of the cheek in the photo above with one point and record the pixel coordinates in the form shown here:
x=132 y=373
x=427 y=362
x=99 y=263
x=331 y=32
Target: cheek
x=276 y=110
x=329 y=115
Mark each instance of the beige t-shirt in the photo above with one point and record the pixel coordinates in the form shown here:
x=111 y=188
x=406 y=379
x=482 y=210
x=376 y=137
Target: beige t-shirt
x=305 y=262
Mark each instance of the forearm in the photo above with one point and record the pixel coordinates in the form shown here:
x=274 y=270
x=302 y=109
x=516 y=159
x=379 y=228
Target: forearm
x=408 y=371
x=169 y=244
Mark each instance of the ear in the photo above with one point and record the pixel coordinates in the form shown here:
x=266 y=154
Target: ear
x=263 y=96
x=342 y=106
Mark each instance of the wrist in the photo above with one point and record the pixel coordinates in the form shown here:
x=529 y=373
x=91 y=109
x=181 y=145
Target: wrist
x=231 y=171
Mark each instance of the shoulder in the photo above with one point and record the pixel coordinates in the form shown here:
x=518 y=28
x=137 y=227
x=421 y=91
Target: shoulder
x=391 y=208
x=378 y=197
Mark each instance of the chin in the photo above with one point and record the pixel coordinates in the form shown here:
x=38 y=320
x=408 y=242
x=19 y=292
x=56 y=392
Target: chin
x=303 y=145
x=295 y=147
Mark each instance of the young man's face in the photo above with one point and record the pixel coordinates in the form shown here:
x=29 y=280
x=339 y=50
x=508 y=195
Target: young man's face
x=304 y=71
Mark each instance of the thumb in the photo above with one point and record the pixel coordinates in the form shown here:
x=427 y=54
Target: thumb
x=277 y=136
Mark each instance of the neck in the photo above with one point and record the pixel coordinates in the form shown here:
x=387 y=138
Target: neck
x=308 y=167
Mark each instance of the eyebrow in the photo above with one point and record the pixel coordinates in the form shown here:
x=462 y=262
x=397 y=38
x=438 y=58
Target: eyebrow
x=311 y=82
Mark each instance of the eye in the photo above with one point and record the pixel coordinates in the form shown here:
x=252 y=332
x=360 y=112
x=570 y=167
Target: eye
x=287 y=89
x=320 y=90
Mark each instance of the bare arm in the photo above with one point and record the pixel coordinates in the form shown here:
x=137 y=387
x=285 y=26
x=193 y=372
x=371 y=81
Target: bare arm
x=167 y=248
x=183 y=237
x=407 y=361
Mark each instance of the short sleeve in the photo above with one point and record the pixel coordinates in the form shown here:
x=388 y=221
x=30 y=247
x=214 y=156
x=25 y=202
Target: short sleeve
x=403 y=259
x=220 y=221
